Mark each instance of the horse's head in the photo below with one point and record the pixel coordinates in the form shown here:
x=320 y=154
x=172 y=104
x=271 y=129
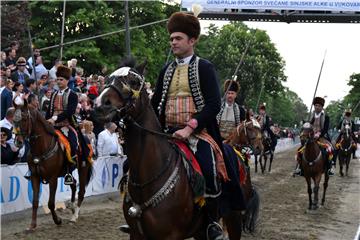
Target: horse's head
x=346 y=136
x=307 y=133
x=22 y=123
x=247 y=134
x=122 y=91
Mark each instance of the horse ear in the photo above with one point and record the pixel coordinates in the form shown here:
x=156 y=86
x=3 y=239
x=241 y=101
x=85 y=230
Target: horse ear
x=141 y=68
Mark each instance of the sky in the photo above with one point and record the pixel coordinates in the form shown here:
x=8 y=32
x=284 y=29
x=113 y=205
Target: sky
x=303 y=45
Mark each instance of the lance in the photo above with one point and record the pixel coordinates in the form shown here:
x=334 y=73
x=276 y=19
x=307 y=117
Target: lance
x=234 y=76
x=317 y=84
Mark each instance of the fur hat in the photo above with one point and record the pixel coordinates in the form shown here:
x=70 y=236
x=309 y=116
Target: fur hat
x=235 y=86
x=348 y=111
x=262 y=107
x=319 y=100
x=185 y=23
x=21 y=61
x=64 y=72
x=7 y=132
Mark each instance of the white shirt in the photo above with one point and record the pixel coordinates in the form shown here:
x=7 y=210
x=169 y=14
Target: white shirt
x=184 y=61
x=108 y=143
x=52 y=73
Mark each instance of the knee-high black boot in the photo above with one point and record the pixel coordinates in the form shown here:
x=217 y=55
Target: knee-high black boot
x=213 y=230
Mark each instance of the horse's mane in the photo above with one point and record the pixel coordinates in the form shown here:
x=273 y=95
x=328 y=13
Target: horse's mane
x=47 y=126
x=127 y=62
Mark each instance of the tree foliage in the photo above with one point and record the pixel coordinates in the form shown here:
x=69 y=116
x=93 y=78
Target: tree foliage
x=261 y=75
x=89 y=18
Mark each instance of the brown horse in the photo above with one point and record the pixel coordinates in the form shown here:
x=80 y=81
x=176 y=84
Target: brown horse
x=46 y=160
x=267 y=153
x=246 y=136
x=313 y=164
x=345 y=150
x=159 y=203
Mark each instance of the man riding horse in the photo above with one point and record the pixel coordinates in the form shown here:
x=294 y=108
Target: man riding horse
x=231 y=114
x=346 y=120
x=187 y=101
x=265 y=123
x=60 y=113
x=320 y=123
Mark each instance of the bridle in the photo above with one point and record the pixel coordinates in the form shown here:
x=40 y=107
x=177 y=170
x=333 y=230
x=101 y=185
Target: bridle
x=18 y=117
x=124 y=112
x=243 y=126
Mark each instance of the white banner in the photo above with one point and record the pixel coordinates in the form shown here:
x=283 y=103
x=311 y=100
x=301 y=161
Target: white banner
x=302 y=5
x=16 y=191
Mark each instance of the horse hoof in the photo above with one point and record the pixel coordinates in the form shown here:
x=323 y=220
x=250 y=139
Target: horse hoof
x=58 y=221
x=30 y=230
x=73 y=219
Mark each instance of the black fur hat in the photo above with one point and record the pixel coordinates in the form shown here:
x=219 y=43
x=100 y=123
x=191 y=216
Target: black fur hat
x=319 y=100
x=235 y=86
x=63 y=71
x=185 y=23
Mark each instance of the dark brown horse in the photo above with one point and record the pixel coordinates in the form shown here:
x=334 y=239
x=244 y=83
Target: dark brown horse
x=313 y=164
x=345 y=150
x=267 y=153
x=247 y=135
x=46 y=160
x=159 y=203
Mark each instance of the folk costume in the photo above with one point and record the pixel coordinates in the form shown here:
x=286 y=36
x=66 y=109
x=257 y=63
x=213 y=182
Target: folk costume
x=265 y=124
x=187 y=94
x=346 y=120
x=320 y=123
x=230 y=115
x=61 y=109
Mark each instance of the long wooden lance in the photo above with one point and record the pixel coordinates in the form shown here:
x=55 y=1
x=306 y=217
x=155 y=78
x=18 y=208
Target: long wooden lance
x=317 y=84
x=234 y=76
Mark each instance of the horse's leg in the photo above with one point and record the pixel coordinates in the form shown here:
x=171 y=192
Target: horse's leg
x=73 y=193
x=348 y=159
x=256 y=162
x=260 y=161
x=271 y=159
x=264 y=166
x=317 y=180
x=308 y=181
x=82 y=180
x=35 y=182
x=325 y=187
x=341 y=163
x=51 y=203
x=233 y=224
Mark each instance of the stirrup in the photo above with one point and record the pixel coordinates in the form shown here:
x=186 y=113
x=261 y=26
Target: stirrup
x=68 y=179
x=217 y=229
x=124 y=228
x=27 y=175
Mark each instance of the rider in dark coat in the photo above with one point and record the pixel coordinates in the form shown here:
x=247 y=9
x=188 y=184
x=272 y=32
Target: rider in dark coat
x=231 y=114
x=320 y=123
x=266 y=123
x=187 y=101
x=60 y=113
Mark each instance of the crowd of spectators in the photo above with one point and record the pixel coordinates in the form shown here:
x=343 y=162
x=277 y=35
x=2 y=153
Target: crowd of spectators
x=29 y=79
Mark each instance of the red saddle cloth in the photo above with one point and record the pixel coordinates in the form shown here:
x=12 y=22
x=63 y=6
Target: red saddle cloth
x=190 y=157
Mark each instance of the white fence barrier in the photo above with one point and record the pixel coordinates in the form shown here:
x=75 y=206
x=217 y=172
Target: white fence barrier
x=16 y=191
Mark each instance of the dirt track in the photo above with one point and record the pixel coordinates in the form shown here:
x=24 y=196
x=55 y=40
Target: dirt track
x=283 y=213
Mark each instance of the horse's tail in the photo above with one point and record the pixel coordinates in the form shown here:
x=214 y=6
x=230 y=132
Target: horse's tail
x=89 y=174
x=252 y=212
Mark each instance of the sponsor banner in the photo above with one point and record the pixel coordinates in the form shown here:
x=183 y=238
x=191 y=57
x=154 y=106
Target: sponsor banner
x=301 y=5
x=16 y=192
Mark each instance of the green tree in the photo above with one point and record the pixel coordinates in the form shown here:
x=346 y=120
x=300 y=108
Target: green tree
x=89 y=18
x=352 y=100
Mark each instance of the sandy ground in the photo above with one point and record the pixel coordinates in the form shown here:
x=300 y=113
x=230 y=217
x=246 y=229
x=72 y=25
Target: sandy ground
x=283 y=213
